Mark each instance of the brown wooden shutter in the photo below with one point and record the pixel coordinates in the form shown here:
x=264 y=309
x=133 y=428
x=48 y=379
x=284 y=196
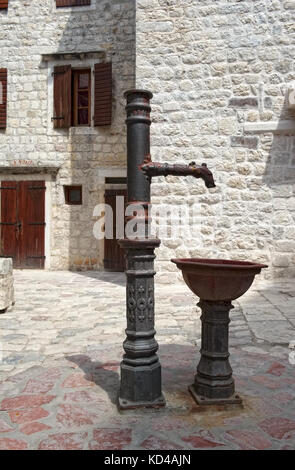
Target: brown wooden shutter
x=3 y=98
x=3 y=4
x=62 y=96
x=103 y=94
x=71 y=3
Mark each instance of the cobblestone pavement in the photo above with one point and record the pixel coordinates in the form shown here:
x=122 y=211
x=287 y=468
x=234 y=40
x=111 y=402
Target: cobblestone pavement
x=62 y=346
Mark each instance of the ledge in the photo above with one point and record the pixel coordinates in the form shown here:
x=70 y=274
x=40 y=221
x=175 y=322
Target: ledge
x=29 y=169
x=75 y=55
x=277 y=127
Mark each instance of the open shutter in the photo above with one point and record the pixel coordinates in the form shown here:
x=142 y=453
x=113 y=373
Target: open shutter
x=71 y=3
x=3 y=4
x=103 y=94
x=3 y=98
x=62 y=96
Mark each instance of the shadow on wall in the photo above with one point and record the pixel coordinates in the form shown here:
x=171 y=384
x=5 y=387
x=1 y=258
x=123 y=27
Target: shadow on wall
x=280 y=165
x=102 y=29
x=279 y=177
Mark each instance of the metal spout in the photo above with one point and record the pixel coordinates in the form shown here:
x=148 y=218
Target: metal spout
x=151 y=169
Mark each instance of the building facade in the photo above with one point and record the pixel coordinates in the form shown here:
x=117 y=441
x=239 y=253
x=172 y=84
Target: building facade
x=65 y=65
x=222 y=74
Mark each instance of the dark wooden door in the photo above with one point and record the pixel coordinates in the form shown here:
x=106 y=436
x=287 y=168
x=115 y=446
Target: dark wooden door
x=23 y=222
x=113 y=254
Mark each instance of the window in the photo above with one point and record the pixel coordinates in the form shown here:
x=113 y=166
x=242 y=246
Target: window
x=81 y=98
x=72 y=96
x=71 y=3
x=73 y=195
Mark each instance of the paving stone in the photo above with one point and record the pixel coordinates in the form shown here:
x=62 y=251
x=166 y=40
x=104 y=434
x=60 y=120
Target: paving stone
x=24 y=416
x=111 y=439
x=4 y=427
x=61 y=391
x=25 y=401
x=197 y=441
x=12 y=444
x=272 y=331
x=279 y=428
x=248 y=439
x=276 y=369
x=75 y=416
x=63 y=441
x=154 y=443
x=76 y=380
x=32 y=428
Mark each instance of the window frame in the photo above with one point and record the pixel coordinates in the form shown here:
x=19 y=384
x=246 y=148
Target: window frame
x=68 y=189
x=96 y=90
x=75 y=89
x=72 y=5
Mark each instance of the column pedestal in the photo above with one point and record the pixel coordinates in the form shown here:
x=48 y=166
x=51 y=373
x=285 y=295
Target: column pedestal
x=214 y=383
x=141 y=385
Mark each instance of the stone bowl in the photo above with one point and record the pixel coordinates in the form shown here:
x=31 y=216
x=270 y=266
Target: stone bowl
x=218 y=279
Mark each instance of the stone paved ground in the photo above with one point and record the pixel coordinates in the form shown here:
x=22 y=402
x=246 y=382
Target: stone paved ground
x=62 y=346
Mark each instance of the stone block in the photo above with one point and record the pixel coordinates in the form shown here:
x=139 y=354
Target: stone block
x=244 y=141
x=243 y=102
x=6 y=284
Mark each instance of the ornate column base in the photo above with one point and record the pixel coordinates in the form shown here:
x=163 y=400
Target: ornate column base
x=143 y=384
x=214 y=384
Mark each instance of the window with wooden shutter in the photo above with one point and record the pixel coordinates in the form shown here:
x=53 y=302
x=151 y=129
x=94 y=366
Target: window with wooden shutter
x=71 y=3
x=3 y=4
x=103 y=94
x=3 y=98
x=62 y=97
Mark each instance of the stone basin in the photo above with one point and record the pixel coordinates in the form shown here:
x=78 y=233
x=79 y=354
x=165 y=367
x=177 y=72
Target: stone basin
x=218 y=279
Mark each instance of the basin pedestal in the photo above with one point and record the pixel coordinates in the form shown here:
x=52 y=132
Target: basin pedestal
x=216 y=282
x=214 y=383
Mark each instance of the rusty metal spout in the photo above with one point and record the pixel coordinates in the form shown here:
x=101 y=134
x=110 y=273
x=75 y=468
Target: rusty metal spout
x=151 y=169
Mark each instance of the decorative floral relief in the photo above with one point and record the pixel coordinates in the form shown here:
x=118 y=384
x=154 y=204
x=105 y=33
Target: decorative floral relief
x=131 y=304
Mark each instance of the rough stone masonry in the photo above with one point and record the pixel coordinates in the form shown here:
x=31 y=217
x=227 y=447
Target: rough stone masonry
x=219 y=71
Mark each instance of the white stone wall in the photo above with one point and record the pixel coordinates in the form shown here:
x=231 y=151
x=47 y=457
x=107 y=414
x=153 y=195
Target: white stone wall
x=28 y=30
x=219 y=71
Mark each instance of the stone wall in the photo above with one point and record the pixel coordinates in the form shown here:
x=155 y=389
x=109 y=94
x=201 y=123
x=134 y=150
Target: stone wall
x=219 y=71
x=31 y=34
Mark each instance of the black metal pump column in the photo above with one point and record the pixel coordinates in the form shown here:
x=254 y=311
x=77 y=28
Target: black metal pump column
x=140 y=369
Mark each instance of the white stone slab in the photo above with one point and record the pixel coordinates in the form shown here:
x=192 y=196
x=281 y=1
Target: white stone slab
x=6 y=284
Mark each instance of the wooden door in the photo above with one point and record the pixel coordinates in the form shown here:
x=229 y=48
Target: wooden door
x=23 y=222
x=114 y=259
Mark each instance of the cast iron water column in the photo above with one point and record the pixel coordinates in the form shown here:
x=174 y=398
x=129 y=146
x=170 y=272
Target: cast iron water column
x=140 y=369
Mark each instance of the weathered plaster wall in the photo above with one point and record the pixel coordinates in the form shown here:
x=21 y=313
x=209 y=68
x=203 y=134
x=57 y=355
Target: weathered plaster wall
x=27 y=31
x=215 y=66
